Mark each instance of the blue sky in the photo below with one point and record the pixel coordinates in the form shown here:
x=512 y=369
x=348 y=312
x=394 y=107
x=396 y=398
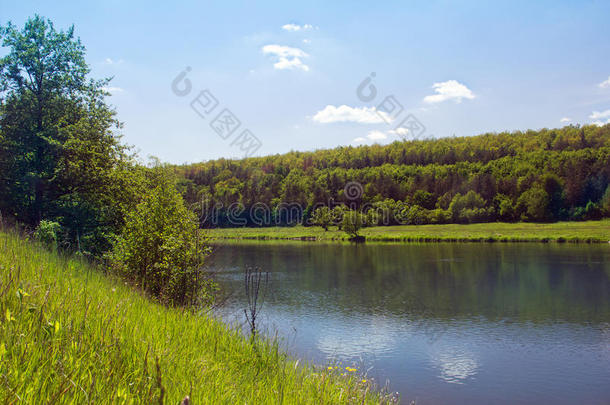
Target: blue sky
x=289 y=72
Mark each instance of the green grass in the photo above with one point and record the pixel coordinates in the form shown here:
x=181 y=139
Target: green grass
x=70 y=334
x=587 y=231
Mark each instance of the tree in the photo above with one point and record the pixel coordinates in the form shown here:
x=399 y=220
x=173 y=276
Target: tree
x=605 y=202
x=322 y=217
x=338 y=214
x=534 y=204
x=161 y=248
x=59 y=158
x=468 y=208
x=352 y=223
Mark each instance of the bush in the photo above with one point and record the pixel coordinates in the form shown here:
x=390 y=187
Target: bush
x=464 y=208
x=322 y=217
x=534 y=204
x=161 y=249
x=605 y=202
x=353 y=221
x=47 y=233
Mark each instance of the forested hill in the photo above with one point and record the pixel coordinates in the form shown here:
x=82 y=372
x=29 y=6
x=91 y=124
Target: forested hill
x=546 y=175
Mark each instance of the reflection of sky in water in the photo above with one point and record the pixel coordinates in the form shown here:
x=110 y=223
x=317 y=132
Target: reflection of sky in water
x=455 y=365
x=373 y=336
x=537 y=332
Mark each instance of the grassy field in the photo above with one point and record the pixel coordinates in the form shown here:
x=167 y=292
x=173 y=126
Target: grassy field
x=588 y=231
x=69 y=334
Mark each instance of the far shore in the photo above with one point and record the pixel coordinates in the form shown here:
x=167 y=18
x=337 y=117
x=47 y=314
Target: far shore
x=558 y=232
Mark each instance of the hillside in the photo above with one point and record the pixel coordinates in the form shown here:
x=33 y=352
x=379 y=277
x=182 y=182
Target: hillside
x=69 y=334
x=542 y=176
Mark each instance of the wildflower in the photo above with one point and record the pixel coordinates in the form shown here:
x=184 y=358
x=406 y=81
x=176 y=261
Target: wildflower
x=330 y=367
x=364 y=381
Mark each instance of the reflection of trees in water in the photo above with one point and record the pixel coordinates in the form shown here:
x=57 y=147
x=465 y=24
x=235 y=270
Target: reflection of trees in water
x=525 y=282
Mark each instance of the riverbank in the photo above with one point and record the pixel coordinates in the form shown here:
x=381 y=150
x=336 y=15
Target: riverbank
x=576 y=232
x=70 y=334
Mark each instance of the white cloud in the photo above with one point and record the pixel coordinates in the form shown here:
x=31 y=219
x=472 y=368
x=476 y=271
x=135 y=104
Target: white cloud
x=601 y=123
x=399 y=131
x=605 y=84
x=376 y=135
x=110 y=61
x=287 y=57
x=599 y=116
x=307 y=41
x=113 y=90
x=451 y=89
x=344 y=113
x=373 y=136
x=296 y=27
x=595 y=115
x=565 y=120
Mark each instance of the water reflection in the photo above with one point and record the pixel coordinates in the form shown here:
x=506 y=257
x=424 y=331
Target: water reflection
x=455 y=365
x=445 y=323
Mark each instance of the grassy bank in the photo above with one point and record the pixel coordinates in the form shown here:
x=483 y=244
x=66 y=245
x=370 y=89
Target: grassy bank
x=588 y=231
x=69 y=334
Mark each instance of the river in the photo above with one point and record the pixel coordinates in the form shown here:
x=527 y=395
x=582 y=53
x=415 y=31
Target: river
x=439 y=323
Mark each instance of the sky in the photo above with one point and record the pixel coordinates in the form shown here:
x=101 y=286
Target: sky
x=194 y=81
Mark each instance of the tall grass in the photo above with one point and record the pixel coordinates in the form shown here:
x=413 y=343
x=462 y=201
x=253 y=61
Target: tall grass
x=69 y=334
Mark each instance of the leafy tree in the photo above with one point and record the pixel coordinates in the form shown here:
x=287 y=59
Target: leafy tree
x=504 y=207
x=534 y=204
x=161 y=248
x=322 y=217
x=59 y=157
x=424 y=199
x=468 y=207
x=338 y=214
x=352 y=222
x=605 y=202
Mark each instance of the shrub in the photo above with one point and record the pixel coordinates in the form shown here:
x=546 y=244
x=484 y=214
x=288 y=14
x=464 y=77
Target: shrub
x=47 y=233
x=353 y=221
x=534 y=204
x=461 y=206
x=605 y=202
x=161 y=248
x=322 y=217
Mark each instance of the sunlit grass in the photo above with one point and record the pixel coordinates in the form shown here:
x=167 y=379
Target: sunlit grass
x=587 y=231
x=69 y=334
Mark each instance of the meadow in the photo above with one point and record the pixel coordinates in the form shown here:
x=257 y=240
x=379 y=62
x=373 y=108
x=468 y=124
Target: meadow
x=71 y=334
x=586 y=231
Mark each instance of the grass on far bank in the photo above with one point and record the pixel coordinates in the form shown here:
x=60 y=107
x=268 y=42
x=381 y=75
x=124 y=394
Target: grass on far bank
x=587 y=231
x=69 y=334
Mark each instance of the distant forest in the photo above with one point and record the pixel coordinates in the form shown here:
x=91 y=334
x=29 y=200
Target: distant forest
x=546 y=175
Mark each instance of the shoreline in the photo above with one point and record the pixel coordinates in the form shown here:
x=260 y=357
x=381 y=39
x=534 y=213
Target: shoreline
x=497 y=232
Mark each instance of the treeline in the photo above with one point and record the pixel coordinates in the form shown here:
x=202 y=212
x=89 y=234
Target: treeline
x=546 y=175
x=68 y=180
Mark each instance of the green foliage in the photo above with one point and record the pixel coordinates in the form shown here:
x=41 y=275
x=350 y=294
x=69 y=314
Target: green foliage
x=572 y=165
x=75 y=336
x=352 y=222
x=47 y=232
x=322 y=217
x=534 y=204
x=59 y=157
x=338 y=214
x=504 y=207
x=161 y=248
x=469 y=208
x=605 y=202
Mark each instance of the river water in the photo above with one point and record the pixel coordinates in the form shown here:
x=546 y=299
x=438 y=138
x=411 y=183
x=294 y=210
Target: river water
x=442 y=323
